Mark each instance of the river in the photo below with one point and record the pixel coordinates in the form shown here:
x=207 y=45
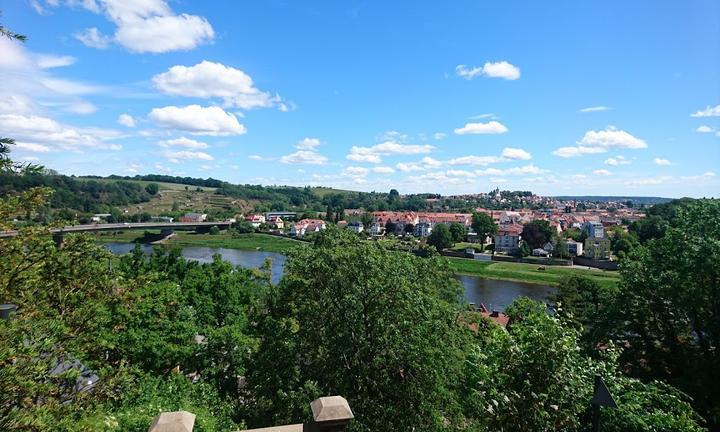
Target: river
x=495 y=294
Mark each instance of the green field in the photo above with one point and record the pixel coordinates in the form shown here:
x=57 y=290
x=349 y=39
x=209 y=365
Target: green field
x=528 y=272
x=260 y=242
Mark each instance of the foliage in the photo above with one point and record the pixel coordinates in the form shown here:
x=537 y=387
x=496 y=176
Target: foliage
x=667 y=308
x=457 y=231
x=483 y=225
x=374 y=325
x=152 y=188
x=537 y=233
x=440 y=237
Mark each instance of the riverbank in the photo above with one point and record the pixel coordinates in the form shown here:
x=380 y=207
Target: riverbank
x=257 y=242
x=528 y=272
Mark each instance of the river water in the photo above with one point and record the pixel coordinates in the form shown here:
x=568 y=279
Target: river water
x=495 y=294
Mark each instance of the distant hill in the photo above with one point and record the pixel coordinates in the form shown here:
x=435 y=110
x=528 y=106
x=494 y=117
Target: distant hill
x=601 y=199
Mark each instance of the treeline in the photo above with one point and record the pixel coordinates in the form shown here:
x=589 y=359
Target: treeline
x=89 y=196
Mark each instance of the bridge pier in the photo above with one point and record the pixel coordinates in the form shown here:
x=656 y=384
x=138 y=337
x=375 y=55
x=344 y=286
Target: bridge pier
x=59 y=239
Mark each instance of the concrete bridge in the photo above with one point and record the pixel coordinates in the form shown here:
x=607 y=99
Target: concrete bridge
x=166 y=228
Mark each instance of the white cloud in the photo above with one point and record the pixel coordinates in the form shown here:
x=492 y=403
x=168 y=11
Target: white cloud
x=598 y=108
x=424 y=164
x=304 y=157
x=708 y=112
x=32 y=147
x=54 y=135
x=662 y=162
x=372 y=154
x=602 y=172
x=704 y=129
x=198 y=120
x=92 y=38
x=126 y=120
x=617 y=160
x=183 y=142
x=214 y=80
x=178 y=156
x=475 y=160
x=369 y=158
x=48 y=61
x=500 y=69
x=307 y=144
x=705 y=176
x=383 y=170
x=81 y=107
x=146 y=26
x=601 y=141
x=649 y=181
x=491 y=127
x=439 y=135
x=355 y=171
x=516 y=154
x=255 y=157
x=522 y=170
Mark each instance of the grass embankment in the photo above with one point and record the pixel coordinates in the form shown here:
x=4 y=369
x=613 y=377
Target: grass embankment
x=261 y=242
x=529 y=272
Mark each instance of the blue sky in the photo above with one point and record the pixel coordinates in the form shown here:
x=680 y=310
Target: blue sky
x=560 y=98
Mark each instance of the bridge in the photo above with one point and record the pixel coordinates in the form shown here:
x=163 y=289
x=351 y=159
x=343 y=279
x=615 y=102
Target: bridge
x=165 y=227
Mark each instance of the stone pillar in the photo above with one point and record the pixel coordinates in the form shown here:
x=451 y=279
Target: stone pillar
x=331 y=413
x=177 y=421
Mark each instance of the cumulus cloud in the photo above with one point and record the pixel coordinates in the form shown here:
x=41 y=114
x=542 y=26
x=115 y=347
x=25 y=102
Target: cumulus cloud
x=516 y=154
x=179 y=156
x=598 y=108
x=439 y=135
x=602 y=172
x=662 y=162
x=147 y=26
x=183 y=142
x=126 y=120
x=617 y=160
x=307 y=144
x=705 y=176
x=704 y=129
x=424 y=164
x=49 y=61
x=353 y=171
x=388 y=148
x=32 y=130
x=383 y=170
x=522 y=170
x=198 y=120
x=305 y=157
x=214 y=80
x=707 y=112
x=601 y=141
x=500 y=69
x=491 y=127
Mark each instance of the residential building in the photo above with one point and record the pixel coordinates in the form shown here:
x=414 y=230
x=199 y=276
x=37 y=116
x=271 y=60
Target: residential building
x=507 y=239
x=594 y=229
x=540 y=252
x=574 y=248
x=597 y=248
x=275 y=222
x=255 y=220
x=377 y=229
x=307 y=226
x=357 y=227
x=423 y=229
x=163 y=219
x=285 y=215
x=100 y=217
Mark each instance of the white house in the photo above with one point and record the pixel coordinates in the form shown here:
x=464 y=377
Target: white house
x=574 y=248
x=307 y=226
x=255 y=220
x=507 y=239
x=594 y=229
x=357 y=227
x=423 y=229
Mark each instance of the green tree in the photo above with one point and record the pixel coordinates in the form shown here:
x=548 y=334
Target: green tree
x=440 y=237
x=537 y=233
x=457 y=231
x=524 y=250
x=152 y=188
x=375 y=325
x=483 y=225
x=649 y=228
x=534 y=377
x=667 y=311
